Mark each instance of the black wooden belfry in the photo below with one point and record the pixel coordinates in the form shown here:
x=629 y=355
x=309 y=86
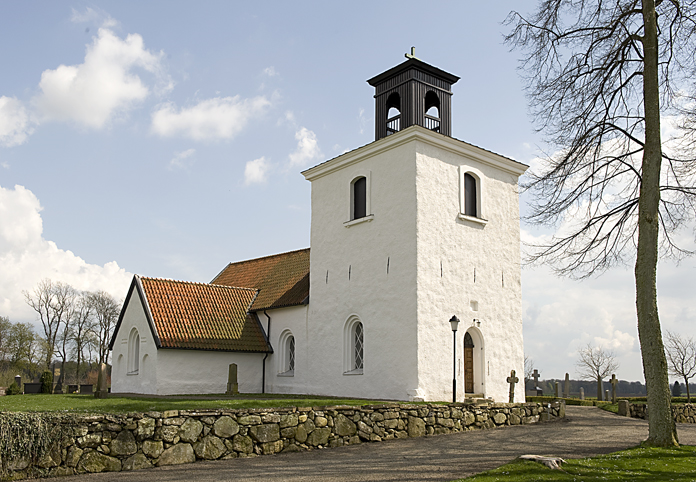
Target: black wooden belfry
x=405 y=94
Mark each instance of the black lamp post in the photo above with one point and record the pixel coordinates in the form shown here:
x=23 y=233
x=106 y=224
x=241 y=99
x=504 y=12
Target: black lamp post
x=454 y=321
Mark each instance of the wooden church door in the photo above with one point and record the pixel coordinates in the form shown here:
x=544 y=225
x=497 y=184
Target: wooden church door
x=468 y=364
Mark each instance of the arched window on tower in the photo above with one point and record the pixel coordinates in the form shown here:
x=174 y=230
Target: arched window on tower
x=133 y=352
x=359 y=201
x=393 y=113
x=432 y=111
x=470 y=195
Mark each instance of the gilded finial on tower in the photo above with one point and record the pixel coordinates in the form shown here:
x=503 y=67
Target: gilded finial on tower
x=412 y=55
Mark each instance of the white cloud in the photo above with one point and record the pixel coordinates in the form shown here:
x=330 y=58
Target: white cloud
x=270 y=71
x=179 y=159
x=15 y=125
x=307 y=148
x=26 y=257
x=104 y=86
x=91 y=15
x=216 y=118
x=256 y=171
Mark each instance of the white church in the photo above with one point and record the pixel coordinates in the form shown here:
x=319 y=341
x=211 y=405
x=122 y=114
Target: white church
x=406 y=232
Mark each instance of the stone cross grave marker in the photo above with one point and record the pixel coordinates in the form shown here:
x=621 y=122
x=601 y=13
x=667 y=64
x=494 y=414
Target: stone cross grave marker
x=566 y=387
x=582 y=393
x=614 y=382
x=555 y=392
x=232 y=385
x=512 y=379
x=535 y=375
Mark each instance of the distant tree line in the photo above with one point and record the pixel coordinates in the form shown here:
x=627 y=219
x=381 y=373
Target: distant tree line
x=75 y=330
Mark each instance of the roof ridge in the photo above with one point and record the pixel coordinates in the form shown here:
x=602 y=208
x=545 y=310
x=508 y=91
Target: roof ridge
x=171 y=280
x=268 y=256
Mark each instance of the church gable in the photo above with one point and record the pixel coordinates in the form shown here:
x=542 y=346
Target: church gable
x=282 y=279
x=201 y=316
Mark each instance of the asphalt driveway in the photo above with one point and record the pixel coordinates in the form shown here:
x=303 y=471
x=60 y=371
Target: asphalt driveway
x=586 y=431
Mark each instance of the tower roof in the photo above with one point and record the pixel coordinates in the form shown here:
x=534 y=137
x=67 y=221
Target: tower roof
x=413 y=63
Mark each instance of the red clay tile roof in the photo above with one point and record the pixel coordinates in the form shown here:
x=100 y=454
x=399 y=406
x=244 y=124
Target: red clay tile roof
x=203 y=316
x=282 y=279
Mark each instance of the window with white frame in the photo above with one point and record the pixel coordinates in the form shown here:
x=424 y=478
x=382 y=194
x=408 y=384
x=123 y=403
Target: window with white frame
x=354 y=351
x=359 y=198
x=470 y=195
x=134 y=352
x=286 y=366
x=360 y=210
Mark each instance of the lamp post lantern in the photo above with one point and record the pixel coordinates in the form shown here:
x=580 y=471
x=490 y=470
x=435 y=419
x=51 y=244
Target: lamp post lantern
x=454 y=321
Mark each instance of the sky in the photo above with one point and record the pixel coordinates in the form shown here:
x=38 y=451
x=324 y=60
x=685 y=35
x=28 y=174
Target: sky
x=166 y=139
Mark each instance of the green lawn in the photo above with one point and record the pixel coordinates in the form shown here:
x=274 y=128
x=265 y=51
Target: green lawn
x=89 y=404
x=635 y=465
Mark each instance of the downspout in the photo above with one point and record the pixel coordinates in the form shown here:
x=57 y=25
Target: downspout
x=268 y=336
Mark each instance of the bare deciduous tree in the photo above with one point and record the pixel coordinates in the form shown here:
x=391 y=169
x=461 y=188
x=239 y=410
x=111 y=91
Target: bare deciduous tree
x=528 y=369
x=105 y=310
x=681 y=356
x=596 y=364
x=83 y=326
x=600 y=76
x=52 y=303
x=5 y=328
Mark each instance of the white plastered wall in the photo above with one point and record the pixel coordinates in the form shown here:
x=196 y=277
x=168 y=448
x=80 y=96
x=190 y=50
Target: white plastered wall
x=450 y=249
x=348 y=272
x=293 y=320
x=203 y=372
x=145 y=381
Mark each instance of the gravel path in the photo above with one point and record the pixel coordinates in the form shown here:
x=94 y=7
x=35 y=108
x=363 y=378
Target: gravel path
x=586 y=431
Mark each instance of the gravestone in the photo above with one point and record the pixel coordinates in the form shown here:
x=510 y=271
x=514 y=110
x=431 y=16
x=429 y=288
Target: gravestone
x=18 y=381
x=555 y=389
x=232 y=385
x=86 y=389
x=582 y=393
x=566 y=387
x=614 y=383
x=606 y=395
x=535 y=375
x=512 y=379
x=101 y=392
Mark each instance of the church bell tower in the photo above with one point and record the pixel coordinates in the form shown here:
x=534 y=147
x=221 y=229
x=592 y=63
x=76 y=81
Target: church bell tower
x=413 y=93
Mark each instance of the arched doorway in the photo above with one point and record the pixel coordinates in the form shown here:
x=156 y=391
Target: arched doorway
x=474 y=364
x=468 y=363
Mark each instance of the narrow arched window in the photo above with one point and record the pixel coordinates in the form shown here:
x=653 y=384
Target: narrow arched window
x=286 y=364
x=359 y=198
x=393 y=113
x=470 y=195
x=354 y=334
x=133 y=352
x=358 y=346
x=291 y=354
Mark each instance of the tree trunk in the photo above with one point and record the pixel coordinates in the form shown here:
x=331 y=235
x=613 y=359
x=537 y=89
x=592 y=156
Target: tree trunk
x=662 y=429
x=688 y=395
x=599 y=389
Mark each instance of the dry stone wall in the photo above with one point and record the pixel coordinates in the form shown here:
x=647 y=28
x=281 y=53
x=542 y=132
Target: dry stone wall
x=112 y=443
x=682 y=413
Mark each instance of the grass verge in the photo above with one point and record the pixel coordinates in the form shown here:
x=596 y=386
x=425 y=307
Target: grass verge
x=636 y=465
x=89 y=404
